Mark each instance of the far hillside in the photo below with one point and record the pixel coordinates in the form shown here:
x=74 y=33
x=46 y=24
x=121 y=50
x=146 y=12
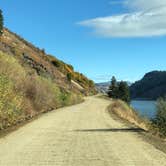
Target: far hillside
x=151 y=86
x=103 y=87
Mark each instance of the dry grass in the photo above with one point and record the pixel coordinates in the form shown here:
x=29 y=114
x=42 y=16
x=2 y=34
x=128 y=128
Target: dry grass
x=43 y=64
x=124 y=111
x=24 y=95
x=11 y=103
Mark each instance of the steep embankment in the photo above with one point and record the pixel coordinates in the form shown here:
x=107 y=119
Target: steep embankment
x=151 y=86
x=32 y=82
x=44 y=64
x=124 y=111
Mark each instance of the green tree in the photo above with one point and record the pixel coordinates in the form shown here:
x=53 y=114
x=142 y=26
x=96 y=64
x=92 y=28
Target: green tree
x=123 y=92
x=112 y=91
x=119 y=90
x=1 y=22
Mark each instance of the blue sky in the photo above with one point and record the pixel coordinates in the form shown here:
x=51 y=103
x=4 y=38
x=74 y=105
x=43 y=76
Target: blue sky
x=88 y=35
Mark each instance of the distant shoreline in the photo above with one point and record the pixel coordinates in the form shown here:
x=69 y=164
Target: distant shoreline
x=142 y=99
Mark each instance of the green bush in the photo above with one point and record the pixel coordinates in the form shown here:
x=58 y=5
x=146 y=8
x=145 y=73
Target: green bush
x=69 y=77
x=56 y=63
x=11 y=103
x=10 y=67
x=160 y=120
x=46 y=94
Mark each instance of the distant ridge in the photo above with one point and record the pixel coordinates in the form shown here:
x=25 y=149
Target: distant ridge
x=104 y=86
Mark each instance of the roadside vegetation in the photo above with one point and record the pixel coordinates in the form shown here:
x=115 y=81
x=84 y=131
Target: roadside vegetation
x=33 y=82
x=124 y=111
x=119 y=92
x=24 y=94
x=155 y=126
x=159 y=123
x=68 y=70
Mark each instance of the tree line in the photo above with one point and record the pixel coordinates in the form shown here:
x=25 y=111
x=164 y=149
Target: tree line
x=119 y=90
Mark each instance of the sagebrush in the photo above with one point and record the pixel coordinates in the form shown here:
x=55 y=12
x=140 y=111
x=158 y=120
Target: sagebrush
x=24 y=94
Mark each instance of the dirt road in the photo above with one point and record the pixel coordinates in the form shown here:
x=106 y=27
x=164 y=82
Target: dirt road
x=80 y=135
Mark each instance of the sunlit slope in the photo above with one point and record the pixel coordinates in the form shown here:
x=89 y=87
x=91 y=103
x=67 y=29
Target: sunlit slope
x=45 y=65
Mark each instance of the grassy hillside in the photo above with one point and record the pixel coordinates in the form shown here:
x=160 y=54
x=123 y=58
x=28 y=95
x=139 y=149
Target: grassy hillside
x=32 y=82
x=45 y=65
x=151 y=86
x=24 y=94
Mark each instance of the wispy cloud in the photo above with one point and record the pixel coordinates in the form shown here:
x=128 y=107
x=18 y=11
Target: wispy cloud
x=146 y=18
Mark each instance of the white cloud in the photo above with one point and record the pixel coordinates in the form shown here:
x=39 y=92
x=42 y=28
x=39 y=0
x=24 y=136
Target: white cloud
x=148 y=18
x=144 y=4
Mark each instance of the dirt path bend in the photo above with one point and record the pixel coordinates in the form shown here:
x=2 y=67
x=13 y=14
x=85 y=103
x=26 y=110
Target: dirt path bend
x=80 y=135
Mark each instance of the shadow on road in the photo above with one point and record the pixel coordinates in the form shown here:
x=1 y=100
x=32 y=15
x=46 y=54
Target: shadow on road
x=112 y=130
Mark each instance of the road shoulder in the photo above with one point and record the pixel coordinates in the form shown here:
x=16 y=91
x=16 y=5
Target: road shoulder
x=157 y=142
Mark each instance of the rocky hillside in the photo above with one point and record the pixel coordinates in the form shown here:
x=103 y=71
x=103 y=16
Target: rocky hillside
x=151 y=86
x=45 y=65
x=32 y=82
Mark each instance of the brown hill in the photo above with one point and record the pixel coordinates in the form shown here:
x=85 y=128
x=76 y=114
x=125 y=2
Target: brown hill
x=45 y=65
x=32 y=82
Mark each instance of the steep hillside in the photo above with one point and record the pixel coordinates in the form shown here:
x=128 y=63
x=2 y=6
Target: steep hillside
x=45 y=65
x=151 y=86
x=32 y=82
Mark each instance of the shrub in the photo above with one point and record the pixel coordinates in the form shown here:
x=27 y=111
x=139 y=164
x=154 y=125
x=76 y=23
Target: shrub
x=10 y=67
x=56 y=63
x=11 y=103
x=47 y=94
x=69 y=77
x=23 y=95
x=160 y=120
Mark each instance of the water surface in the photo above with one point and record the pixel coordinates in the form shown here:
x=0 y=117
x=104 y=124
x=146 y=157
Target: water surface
x=145 y=108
